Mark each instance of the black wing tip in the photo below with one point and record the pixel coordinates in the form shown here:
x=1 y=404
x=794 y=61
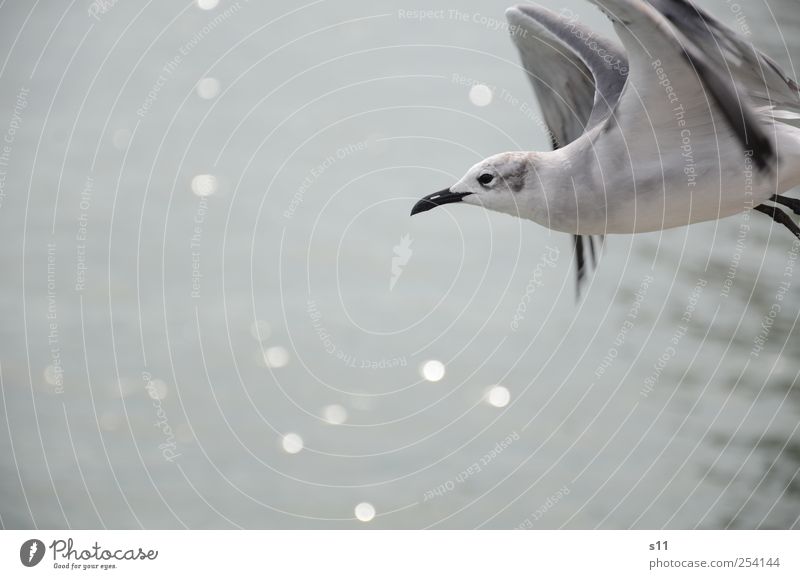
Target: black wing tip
x=581 y=265
x=734 y=106
x=780 y=217
x=762 y=152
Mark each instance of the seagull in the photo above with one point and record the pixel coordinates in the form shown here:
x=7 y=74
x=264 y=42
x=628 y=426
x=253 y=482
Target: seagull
x=684 y=122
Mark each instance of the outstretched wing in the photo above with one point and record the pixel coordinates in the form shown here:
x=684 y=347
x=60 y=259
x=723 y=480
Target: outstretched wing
x=654 y=44
x=578 y=78
x=740 y=79
x=766 y=84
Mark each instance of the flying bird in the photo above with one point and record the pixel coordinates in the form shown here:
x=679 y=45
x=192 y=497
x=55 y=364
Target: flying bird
x=684 y=122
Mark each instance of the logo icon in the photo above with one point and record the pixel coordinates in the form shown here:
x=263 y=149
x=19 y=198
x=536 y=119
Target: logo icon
x=402 y=253
x=31 y=552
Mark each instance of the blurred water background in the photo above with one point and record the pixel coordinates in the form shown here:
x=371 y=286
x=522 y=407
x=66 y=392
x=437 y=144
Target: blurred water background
x=216 y=311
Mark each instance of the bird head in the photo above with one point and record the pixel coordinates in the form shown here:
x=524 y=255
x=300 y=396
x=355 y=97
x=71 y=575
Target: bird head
x=501 y=183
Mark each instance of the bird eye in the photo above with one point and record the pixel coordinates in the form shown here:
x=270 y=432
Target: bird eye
x=485 y=178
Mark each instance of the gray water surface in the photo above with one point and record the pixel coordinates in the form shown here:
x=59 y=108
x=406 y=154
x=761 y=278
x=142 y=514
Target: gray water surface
x=158 y=345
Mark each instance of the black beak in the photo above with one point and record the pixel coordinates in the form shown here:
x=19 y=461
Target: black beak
x=439 y=198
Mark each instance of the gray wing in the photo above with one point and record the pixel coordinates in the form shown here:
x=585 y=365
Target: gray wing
x=577 y=75
x=578 y=78
x=649 y=37
x=766 y=84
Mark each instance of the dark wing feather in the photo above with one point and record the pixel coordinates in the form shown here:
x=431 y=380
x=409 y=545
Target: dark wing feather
x=578 y=78
x=645 y=30
x=732 y=54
